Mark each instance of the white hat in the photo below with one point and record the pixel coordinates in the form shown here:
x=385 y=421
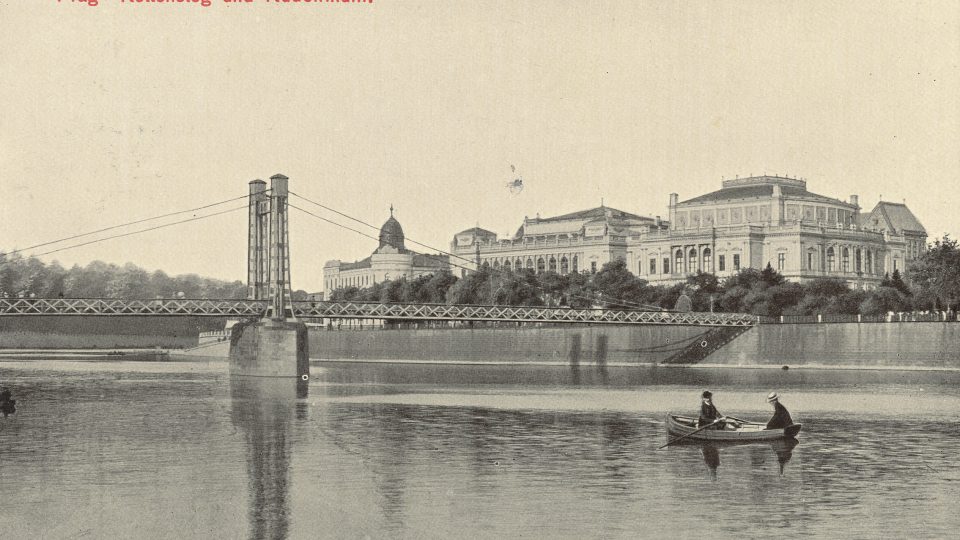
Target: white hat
x=772 y=396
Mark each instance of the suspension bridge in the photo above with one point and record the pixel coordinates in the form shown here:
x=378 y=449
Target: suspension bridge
x=277 y=334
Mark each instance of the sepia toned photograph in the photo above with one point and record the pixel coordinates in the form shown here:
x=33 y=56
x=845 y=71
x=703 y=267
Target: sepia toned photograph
x=384 y=269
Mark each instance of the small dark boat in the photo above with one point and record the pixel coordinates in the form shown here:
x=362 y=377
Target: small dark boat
x=679 y=426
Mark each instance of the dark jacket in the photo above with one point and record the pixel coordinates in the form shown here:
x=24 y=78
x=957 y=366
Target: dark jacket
x=781 y=418
x=708 y=413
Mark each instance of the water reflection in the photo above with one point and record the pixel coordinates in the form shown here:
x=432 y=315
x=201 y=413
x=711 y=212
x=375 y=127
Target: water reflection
x=759 y=452
x=262 y=408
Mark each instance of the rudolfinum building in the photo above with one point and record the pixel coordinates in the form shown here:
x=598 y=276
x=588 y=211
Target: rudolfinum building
x=748 y=223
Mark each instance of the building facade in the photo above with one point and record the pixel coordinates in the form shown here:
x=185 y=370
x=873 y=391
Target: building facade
x=748 y=223
x=577 y=242
x=753 y=222
x=391 y=260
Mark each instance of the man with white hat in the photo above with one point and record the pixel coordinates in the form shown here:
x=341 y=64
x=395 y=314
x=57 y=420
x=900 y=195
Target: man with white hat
x=781 y=417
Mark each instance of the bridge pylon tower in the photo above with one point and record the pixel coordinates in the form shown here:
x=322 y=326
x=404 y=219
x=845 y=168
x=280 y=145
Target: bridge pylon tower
x=258 y=256
x=275 y=344
x=268 y=247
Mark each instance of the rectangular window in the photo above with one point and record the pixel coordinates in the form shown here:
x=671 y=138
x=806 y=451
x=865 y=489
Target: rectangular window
x=593 y=267
x=809 y=261
x=781 y=260
x=736 y=263
x=653 y=266
x=666 y=265
x=721 y=263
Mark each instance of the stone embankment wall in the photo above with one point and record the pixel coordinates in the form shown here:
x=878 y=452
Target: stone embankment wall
x=558 y=344
x=906 y=345
x=71 y=332
x=900 y=344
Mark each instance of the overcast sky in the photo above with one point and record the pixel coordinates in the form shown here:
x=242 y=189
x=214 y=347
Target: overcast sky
x=120 y=112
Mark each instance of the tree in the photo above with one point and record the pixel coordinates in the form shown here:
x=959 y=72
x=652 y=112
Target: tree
x=936 y=273
x=618 y=287
x=770 y=276
x=703 y=288
x=883 y=300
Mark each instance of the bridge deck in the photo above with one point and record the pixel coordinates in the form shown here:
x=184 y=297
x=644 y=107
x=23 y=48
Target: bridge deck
x=360 y=310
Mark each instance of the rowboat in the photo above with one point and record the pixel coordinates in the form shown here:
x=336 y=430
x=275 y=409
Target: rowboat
x=681 y=426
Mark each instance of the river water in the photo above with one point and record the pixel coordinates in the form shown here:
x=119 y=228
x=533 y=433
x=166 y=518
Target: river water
x=179 y=450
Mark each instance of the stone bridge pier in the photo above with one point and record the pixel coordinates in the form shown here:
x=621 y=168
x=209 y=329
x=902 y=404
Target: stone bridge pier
x=275 y=345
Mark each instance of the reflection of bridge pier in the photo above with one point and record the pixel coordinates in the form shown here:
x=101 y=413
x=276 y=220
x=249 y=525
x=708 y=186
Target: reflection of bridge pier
x=262 y=408
x=276 y=345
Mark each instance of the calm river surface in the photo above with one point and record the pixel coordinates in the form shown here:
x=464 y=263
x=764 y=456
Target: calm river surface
x=179 y=450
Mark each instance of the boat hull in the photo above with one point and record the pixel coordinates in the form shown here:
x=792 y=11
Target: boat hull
x=685 y=426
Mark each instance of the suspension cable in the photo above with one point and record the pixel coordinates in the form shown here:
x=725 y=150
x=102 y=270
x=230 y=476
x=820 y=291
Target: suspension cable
x=131 y=233
x=113 y=227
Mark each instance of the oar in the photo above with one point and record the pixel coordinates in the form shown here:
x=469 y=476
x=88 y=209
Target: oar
x=691 y=433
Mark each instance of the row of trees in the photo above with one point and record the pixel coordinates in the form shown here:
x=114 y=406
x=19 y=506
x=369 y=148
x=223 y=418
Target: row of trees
x=26 y=277
x=934 y=283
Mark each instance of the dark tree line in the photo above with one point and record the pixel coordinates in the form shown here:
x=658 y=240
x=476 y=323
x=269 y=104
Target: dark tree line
x=933 y=284
x=26 y=277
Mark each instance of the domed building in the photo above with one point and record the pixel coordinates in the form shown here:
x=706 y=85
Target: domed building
x=391 y=260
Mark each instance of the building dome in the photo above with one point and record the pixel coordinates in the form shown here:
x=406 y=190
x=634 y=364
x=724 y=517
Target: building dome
x=391 y=233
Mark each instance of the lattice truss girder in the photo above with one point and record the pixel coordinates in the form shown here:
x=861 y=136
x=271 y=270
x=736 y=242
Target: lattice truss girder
x=361 y=310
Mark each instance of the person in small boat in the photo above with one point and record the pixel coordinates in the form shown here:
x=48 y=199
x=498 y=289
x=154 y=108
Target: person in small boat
x=781 y=417
x=7 y=403
x=709 y=413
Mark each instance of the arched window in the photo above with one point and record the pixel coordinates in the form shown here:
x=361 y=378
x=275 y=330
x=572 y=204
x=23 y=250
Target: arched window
x=707 y=260
x=540 y=265
x=564 y=265
x=692 y=262
x=575 y=268
x=857 y=260
x=496 y=265
x=845 y=260
x=553 y=264
x=530 y=264
x=678 y=263
x=831 y=259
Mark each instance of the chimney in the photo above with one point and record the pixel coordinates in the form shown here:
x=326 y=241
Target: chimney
x=854 y=200
x=776 y=207
x=674 y=198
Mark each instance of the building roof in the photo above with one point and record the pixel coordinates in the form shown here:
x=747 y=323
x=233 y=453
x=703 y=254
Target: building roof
x=760 y=186
x=594 y=213
x=421 y=260
x=477 y=231
x=391 y=233
x=365 y=263
x=894 y=217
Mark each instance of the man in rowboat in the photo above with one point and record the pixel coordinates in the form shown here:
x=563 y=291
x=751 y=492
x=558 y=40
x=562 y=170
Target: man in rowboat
x=781 y=418
x=708 y=413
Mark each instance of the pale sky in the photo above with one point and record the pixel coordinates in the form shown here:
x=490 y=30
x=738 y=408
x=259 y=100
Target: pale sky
x=120 y=112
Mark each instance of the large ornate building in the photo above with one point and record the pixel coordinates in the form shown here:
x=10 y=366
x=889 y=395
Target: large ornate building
x=391 y=260
x=748 y=223
x=576 y=242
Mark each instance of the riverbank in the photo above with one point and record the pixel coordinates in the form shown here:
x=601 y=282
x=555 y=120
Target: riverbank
x=893 y=345
x=71 y=332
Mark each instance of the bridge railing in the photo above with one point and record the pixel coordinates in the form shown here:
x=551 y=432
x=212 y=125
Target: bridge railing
x=445 y=312
x=117 y=307
x=361 y=310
